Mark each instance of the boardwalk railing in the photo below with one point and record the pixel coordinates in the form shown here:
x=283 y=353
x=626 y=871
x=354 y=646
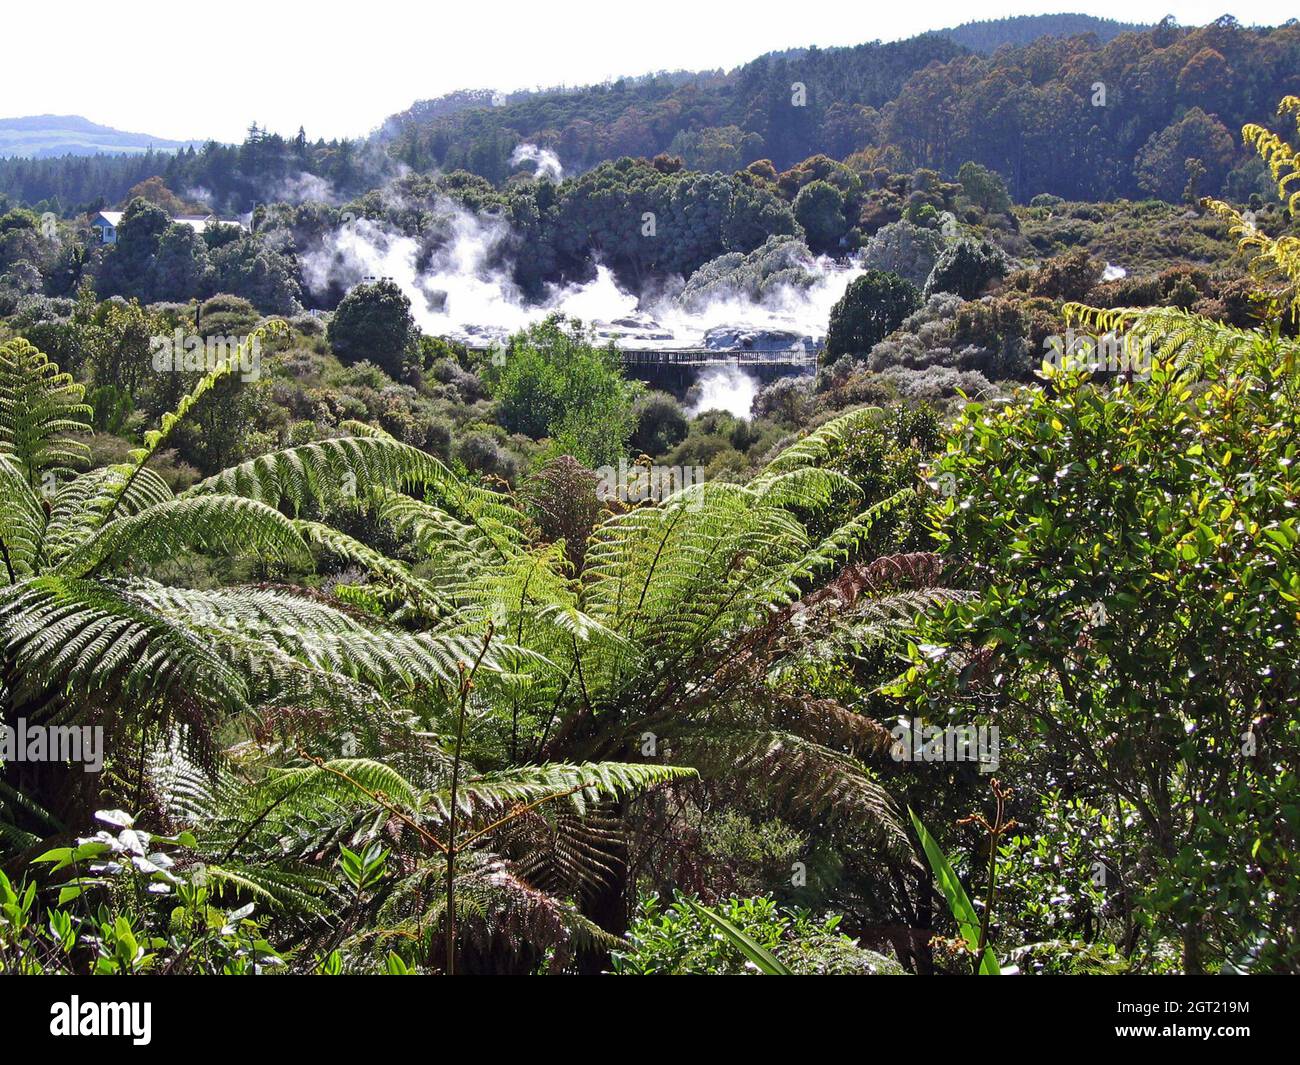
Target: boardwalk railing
x=646 y=357
x=800 y=358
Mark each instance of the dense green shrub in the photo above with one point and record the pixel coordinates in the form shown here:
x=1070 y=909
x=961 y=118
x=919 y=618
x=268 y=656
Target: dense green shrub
x=966 y=268
x=674 y=940
x=554 y=382
x=660 y=423
x=374 y=322
x=872 y=307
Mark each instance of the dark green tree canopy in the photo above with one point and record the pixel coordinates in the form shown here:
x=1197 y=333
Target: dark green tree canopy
x=819 y=208
x=966 y=268
x=374 y=322
x=872 y=307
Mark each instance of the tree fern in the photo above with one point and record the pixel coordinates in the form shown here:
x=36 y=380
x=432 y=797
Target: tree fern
x=222 y=525
x=41 y=410
x=75 y=637
x=22 y=523
x=694 y=620
x=87 y=640
x=1275 y=260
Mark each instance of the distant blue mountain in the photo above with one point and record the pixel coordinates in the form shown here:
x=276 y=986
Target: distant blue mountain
x=45 y=136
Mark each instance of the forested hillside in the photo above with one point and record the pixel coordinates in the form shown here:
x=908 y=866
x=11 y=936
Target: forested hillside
x=1020 y=30
x=1094 y=116
x=1033 y=112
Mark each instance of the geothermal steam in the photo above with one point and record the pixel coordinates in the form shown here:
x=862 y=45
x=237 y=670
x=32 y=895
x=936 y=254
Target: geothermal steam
x=465 y=291
x=545 y=162
x=725 y=388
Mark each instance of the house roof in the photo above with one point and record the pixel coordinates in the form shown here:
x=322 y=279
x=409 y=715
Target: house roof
x=195 y=222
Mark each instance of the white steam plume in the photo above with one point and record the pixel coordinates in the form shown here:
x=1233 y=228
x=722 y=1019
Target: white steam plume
x=465 y=291
x=546 y=162
x=725 y=388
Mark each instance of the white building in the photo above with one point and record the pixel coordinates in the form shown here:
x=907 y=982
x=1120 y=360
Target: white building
x=107 y=223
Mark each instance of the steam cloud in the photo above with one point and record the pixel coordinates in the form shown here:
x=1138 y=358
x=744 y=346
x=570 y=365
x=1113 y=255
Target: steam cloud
x=546 y=162
x=725 y=388
x=462 y=288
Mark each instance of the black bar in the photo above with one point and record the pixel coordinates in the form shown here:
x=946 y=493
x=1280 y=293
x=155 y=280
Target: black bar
x=336 y=1013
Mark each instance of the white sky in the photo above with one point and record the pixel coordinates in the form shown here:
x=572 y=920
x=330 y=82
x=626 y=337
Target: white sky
x=186 y=70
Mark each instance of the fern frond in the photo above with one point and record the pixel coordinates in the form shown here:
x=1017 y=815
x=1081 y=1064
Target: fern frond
x=221 y=525
x=301 y=890
x=81 y=505
x=845 y=539
x=1276 y=260
x=1282 y=160
x=581 y=785
x=355 y=780
x=817 y=445
x=41 y=409
x=327 y=471
x=810 y=778
x=421 y=593
x=155 y=438
x=564 y=854
x=807 y=488
x=22 y=524
x=65 y=635
x=478 y=533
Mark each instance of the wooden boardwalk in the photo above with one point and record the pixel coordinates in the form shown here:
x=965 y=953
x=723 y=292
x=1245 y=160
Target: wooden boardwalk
x=647 y=358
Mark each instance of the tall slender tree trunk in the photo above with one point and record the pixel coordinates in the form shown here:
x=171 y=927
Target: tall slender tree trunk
x=608 y=908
